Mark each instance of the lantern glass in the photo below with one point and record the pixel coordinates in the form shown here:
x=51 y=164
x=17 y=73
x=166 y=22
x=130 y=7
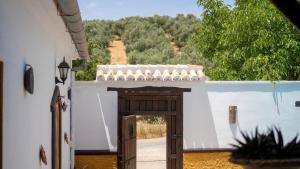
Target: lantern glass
x=63 y=73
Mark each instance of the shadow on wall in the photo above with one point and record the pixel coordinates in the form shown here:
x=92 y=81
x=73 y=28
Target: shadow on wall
x=263 y=104
x=95 y=118
x=260 y=104
x=106 y=127
x=276 y=88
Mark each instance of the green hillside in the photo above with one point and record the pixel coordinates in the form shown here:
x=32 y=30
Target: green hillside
x=148 y=40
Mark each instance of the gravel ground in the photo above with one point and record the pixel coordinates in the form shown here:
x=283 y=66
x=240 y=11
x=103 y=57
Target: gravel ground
x=151 y=153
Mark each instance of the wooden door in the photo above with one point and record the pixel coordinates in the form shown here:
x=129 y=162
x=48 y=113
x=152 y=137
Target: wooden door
x=128 y=155
x=174 y=133
x=1 y=112
x=56 y=135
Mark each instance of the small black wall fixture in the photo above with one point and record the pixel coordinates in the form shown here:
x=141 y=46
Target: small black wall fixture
x=29 y=79
x=64 y=106
x=63 y=68
x=297 y=103
x=69 y=93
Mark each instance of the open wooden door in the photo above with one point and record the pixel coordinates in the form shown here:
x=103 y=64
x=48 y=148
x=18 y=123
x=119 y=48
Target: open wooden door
x=128 y=154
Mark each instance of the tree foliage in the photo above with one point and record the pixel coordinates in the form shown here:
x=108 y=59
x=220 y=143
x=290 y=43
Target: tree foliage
x=98 y=36
x=148 y=39
x=250 y=41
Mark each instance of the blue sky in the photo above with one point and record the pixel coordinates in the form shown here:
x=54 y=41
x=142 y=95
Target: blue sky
x=116 y=9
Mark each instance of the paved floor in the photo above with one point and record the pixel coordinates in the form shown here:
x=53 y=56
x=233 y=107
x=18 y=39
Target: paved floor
x=151 y=153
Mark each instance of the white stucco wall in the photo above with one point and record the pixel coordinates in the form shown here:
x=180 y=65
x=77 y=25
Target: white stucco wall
x=32 y=33
x=206 y=117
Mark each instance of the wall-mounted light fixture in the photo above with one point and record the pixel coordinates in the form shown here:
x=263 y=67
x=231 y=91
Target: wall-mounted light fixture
x=232 y=114
x=29 y=79
x=66 y=138
x=63 y=68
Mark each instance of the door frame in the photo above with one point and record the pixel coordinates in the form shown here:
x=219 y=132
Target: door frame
x=156 y=92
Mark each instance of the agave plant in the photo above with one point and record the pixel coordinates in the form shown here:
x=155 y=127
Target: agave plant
x=266 y=146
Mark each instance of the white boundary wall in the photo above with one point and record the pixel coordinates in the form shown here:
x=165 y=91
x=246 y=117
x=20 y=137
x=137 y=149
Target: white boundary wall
x=206 y=117
x=32 y=33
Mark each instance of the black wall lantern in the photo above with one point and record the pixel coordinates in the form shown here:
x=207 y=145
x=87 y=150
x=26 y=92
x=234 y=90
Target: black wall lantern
x=29 y=79
x=63 y=68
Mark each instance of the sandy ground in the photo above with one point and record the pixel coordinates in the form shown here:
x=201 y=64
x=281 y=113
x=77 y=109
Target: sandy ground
x=118 y=53
x=151 y=153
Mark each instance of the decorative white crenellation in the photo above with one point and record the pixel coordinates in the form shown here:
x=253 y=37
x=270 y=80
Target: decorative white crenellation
x=193 y=75
x=129 y=75
x=150 y=73
x=157 y=75
x=110 y=76
x=139 y=76
x=166 y=75
x=184 y=75
x=175 y=75
x=120 y=76
x=100 y=75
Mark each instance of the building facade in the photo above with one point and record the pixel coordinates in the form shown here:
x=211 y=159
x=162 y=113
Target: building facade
x=36 y=34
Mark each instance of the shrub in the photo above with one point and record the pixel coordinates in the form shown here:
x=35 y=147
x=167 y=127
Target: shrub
x=268 y=145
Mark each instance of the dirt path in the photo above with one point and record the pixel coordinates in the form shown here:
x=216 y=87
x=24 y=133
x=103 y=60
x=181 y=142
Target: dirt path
x=118 y=53
x=173 y=44
x=175 y=47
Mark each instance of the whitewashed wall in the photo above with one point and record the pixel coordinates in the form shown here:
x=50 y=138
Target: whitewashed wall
x=206 y=118
x=32 y=33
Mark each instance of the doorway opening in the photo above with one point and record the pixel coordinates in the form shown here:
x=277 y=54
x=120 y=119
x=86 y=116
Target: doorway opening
x=159 y=101
x=151 y=142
